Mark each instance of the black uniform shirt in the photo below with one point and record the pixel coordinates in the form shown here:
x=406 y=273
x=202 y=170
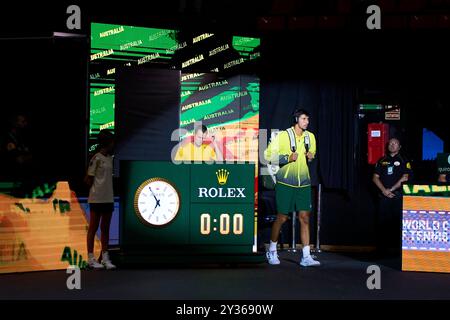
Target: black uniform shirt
x=391 y=169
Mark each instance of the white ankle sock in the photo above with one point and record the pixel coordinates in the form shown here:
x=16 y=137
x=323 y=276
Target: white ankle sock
x=306 y=251
x=91 y=256
x=273 y=246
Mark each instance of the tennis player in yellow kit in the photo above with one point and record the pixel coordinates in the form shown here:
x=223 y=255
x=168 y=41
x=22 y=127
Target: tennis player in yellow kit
x=293 y=187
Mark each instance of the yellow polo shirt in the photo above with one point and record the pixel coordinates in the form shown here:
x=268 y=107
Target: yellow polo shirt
x=190 y=152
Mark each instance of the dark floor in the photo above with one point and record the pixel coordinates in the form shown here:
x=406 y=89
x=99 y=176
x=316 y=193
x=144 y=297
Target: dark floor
x=340 y=277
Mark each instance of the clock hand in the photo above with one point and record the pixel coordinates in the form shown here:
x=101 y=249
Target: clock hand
x=157 y=201
x=152 y=212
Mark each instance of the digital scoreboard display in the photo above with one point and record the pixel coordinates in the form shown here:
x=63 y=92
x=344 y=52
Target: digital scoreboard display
x=185 y=211
x=426 y=228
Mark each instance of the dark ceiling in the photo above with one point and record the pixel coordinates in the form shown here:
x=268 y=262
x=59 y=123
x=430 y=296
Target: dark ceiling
x=35 y=18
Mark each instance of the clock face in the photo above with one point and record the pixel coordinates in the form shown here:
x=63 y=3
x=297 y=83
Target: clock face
x=157 y=202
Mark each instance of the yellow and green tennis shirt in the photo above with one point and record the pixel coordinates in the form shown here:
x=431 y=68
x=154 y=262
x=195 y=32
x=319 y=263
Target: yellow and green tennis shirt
x=293 y=174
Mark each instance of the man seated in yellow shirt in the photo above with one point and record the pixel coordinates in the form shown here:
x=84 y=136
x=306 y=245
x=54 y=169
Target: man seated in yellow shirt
x=198 y=150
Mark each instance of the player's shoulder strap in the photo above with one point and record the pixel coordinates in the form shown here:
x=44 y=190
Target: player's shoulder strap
x=292 y=141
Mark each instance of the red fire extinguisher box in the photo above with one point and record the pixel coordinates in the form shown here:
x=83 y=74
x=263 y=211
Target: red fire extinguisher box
x=377 y=138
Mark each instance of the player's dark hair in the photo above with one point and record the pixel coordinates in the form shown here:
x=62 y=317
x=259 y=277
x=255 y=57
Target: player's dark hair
x=298 y=113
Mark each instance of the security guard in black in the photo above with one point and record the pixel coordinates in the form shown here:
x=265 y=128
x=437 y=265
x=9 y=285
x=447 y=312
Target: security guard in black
x=391 y=169
x=390 y=172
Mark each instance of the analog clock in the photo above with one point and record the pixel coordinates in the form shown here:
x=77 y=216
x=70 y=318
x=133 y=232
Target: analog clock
x=157 y=202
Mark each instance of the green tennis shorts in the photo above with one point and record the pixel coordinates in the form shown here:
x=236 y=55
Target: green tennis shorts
x=291 y=199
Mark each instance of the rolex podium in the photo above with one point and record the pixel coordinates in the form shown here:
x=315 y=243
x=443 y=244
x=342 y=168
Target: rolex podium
x=187 y=213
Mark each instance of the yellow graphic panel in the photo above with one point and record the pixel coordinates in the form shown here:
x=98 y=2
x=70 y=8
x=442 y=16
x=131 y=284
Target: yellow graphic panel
x=40 y=234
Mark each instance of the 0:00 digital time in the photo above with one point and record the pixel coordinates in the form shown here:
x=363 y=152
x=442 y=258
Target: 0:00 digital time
x=224 y=224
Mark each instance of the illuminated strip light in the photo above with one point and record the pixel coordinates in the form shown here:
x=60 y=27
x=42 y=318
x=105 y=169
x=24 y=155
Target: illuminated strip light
x=422 y=212
x=425 y=249
x=68 y=35
x=370 y=107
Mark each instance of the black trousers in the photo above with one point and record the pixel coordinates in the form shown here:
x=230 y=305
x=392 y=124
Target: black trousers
x=389 y=222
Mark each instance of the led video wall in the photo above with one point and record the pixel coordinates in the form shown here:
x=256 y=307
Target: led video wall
x=43 y=234
x=217 y=86
x=426 y=228
x=118 y=46
x=228 y=106
x=50 y=233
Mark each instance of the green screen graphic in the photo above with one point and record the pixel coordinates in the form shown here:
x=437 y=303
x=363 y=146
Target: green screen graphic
x=228 y=106
x=115 y=46
x=119 y=46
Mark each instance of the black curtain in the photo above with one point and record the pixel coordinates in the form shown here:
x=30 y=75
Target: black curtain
x=45 y=81
x=332 y=119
